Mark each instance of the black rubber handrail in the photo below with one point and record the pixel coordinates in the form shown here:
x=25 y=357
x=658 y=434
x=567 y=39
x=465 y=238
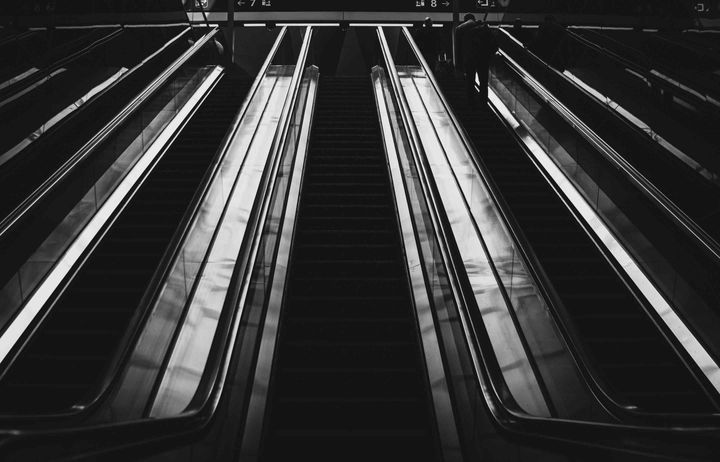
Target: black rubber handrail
x=19 y=36
x=644 y=70
x=709 y=50
x=49 y=185
x=47 y=70
x=686 y=224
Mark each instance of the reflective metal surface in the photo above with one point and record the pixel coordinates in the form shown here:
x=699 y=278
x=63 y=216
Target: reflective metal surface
x=438 y=377
x=271 y=268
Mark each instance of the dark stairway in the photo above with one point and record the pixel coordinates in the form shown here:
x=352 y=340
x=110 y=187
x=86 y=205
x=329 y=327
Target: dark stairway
x=626 y=350
x=69 y=355
x=349 y=382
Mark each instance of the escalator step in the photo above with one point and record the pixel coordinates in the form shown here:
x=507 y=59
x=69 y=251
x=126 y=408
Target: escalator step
x=349 y=382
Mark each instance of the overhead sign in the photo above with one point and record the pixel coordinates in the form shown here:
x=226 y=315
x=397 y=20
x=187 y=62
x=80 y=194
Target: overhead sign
x=707 y=9
x=483 y=5
x=328 y=5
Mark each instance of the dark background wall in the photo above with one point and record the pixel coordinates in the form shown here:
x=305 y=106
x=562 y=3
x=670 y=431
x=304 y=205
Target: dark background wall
x=624 y=7
x=43 y=7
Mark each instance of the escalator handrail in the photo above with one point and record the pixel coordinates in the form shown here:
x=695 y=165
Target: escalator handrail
x=205 y=403
x=487 y=369
x=647 y=132
x=708 y=52
x=18 y=86
x=638 y=66
x=646 y=70
x=50 y=184
x=17 y=37
x=68 y=120
x=688 y=226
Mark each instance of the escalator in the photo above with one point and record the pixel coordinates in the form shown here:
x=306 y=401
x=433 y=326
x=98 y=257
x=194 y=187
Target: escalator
x=349 y=381
x=32 y=49
x=25 y=171
x=703 y=42
x=671 y=111
x=627 y=351
x=655 y=196
x=71 y=351
x=663 y=53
